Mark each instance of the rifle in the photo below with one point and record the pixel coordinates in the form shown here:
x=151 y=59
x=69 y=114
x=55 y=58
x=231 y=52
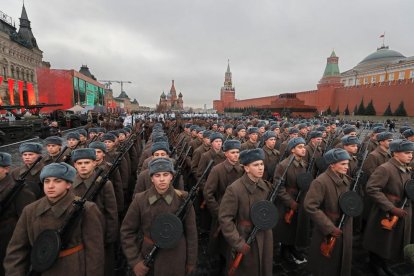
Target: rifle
x=61 y=154
x=179 y=169
x=328 y=245
x=174 y=149
x=56 y=239
x=180 y=213
x=289 y=214
x=8 y=200
x=271 y=197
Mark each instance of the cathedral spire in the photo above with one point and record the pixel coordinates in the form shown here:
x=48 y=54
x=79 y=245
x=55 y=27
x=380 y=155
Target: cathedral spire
x=228 y=84
x=228 y=65
x=25 y=30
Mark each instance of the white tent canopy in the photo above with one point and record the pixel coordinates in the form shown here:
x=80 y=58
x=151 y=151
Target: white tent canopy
x=77 y=109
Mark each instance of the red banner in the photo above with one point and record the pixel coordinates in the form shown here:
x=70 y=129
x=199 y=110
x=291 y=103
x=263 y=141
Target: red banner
x=20 y=89
x=11 y=91
x=31 y=94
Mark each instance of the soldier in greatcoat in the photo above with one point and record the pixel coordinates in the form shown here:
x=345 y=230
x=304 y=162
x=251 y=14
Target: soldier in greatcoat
x=272 y=155
x=205 y=147
x=241 y=133
x=385 y=187
x=85 y=164
x=30 y=152
x=373 y=143
x=84 y=254
x=321 y=203
x=314 y=149
x=10 y=214
x=292 y=133
x=252 y=142
x=145 y=207
x=296 y=233
x=235 y=221
x=350 y=144
x=53 y=147
x=221 y=176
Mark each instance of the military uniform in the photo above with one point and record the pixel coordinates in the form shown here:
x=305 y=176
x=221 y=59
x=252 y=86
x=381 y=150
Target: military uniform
x=234 y=219
x=32 y=180
x=196 y=158
x=86 y=240
x=321 y=203
x=248 y=145
x=10 y=215
x=272 y=157
x=116 y=181
x=143 y=210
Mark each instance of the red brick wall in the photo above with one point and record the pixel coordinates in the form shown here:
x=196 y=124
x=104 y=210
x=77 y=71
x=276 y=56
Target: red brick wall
x=256 y=102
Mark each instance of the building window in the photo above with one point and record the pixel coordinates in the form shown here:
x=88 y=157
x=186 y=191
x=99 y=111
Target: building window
x=401 y=75
x=382 y=78
x=412 y=74
x=350 y=82
x=4 y=72
x=358 y=81
x=374 y=79
x=365 y=80
x=391 y=77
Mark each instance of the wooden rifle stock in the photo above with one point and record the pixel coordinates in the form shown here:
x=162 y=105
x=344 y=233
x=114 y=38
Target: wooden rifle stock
x=236 y=262
x=390 y=223
x=328 y=246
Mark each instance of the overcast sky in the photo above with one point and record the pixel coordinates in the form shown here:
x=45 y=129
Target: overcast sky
x=274 y=46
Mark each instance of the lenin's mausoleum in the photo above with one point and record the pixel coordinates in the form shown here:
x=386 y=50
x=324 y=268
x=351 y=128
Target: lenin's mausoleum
x=385 y=76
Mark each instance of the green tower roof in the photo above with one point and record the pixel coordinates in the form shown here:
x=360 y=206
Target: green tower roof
x=332 y=68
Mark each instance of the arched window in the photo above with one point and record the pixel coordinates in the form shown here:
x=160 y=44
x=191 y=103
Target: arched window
x=18 y=73
x=12 y=71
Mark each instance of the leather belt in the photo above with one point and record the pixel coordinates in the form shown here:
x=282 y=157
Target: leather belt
x=71 y=251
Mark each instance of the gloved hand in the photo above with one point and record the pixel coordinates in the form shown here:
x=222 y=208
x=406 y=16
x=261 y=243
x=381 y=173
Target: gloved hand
x=399 y=212
x=336 y=232
x=140 y=269
x=245 y=249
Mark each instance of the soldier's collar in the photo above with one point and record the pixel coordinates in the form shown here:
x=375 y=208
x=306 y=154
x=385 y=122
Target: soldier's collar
x=58 y=208
x=88 y=181
x=154 y=196
x=345 y=179
x=269 y=150
x=251 y=186
x=400 y=166
x=298 y=163
x=228 y=166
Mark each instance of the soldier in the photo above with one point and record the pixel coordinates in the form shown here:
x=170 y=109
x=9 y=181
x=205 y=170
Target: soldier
x=321 y=203
x=252 y=142
x=110 y=156
x=241 y=133
x=53 y=148
x=303 y=131
x=293 y=133
x=380 y=155
x=235 y=221
x=295 y=233
x=350 y=144
x=228 y=132
x=215 y=153
x=30 y=152
x=72 y=141
x=83 y=138
x=314 y=149
x=116 y=180
x=10 y=214
x=373 y=142
x=409 y=135
x=272 y=155
x=386 y=189
x=92 y=133
x=221 y=176
x=85 y=163
x=146 y=206
x=198 y=141
x=205 y=147
x=262 y=129
x=84 y=254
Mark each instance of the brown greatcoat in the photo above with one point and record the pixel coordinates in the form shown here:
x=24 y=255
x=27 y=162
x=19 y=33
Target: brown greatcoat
x=110 y=157
x=144 y=182
x=145 y=207
x=310 y=152
x=197 y=156
x=217 y=157
x=11 y=213
x=221 y=176
x=321 y=203
x=248 y=145
x=195 y=143
x=145 y=154
x=297 y=232
x=32 y=179
x=375 y=159
x=116 y=181
x=40 y=216
x=385 y=187
x=106 y=202
x=372 y=145
x=234 y=219
x=271 y=158
x=46 y=160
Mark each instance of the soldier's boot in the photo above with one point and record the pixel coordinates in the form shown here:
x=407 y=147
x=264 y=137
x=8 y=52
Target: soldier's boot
x=286 y=254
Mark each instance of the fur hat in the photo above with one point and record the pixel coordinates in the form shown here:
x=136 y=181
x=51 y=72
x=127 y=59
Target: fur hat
x=336 y=155
x=315 y=134
x=250 y=156
x=294 y=142
x=321 y=128
x=87 y=153
x=58 y=170
x=253 y=130
x=382 y=136
x=108 y=136
x=301 y=126
x=193 y=127
x=5 y=159
x=30 y=147
x=216 y=135
x=259 y=125
x=101 y=129
x=83 y=132
x=349 y=129
x=53 y=140
x=98 y=145
x=268 y=134
x=231 y=144
x=228 y=126
x=206 y=134
x=160 y=146
x=400 y=145
x=162 y=138
x=408 y=133
x=274 y=126
x=160 y=165
x=378 y=129
x=187 y=125
x=349 y=140
x=240 y=127
x=93 y=129
x=404 y=128
x=73 y=135
x=293 y=130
